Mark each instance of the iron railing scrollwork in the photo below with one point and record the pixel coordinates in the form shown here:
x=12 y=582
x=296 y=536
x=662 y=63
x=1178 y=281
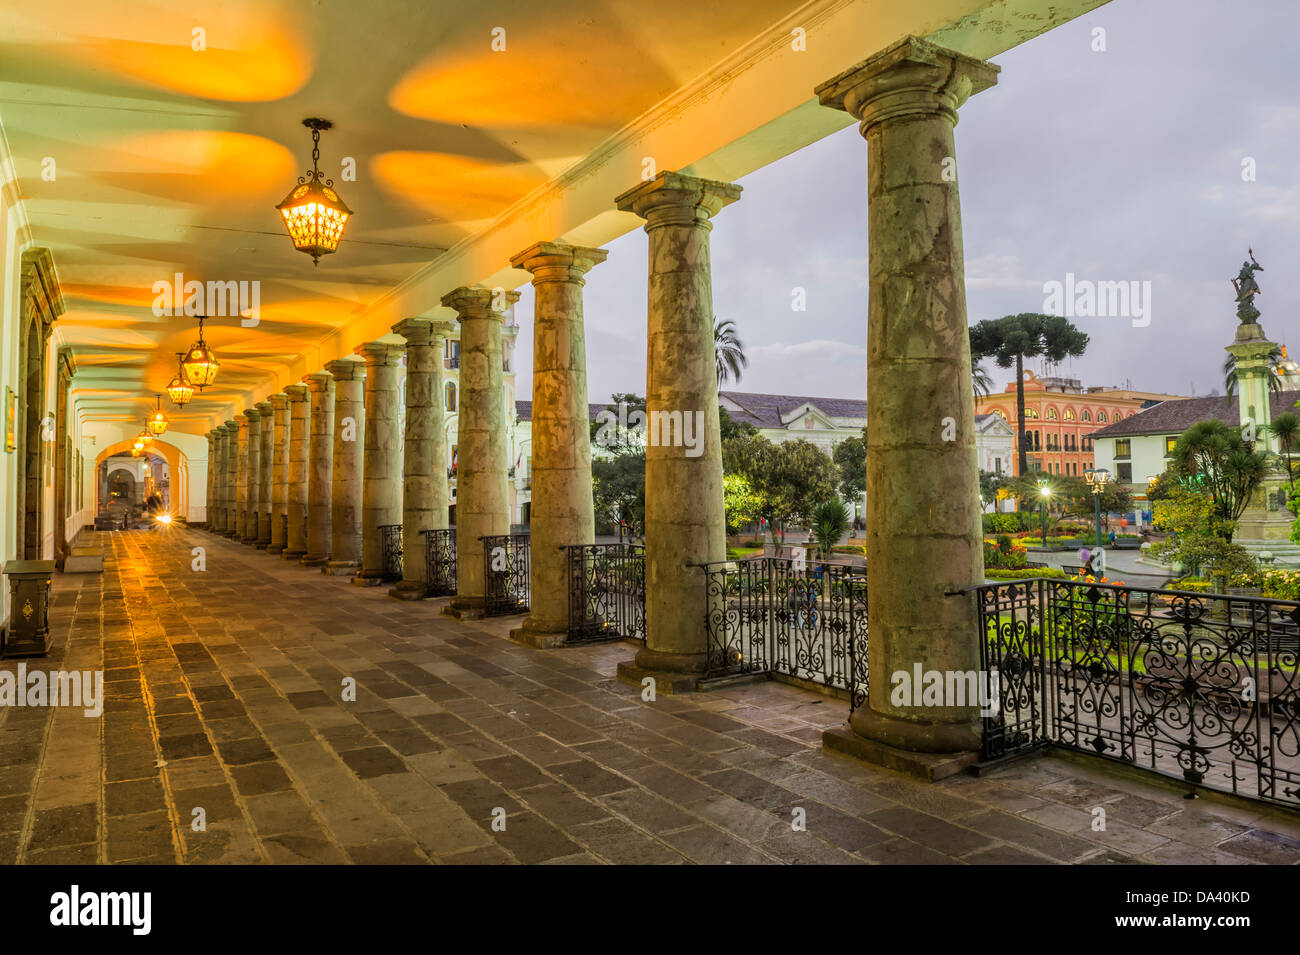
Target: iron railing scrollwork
x=390 y=543
x=440 y=561
x=505 y=574
x=801 y=619
x=1200 y=686
x=606 y=592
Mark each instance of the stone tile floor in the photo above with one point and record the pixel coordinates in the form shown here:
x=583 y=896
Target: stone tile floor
x=224 y=695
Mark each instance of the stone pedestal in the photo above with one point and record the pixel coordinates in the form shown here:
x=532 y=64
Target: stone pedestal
x=561 y=512
x=345 y=494
x=684 y=516
x=251 y=436
x=923 y=521
x=28 y=631
x=296 y=502
x=279 y=471
x=320 y=469
x=381 y=496
x=266 y=465
x=482 y=497
x=425 y=494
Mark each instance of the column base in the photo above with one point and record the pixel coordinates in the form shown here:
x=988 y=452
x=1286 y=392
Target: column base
x=314 y=560
x=540 y=637
x=931 y=767
x=287 y=554
x=368 y=579
x=250 y=541
x=340 y=568
x=274 y=548
x=916 y=736
x=667 y=682
x=263 y=545
x=465 y=608
x=409 y=590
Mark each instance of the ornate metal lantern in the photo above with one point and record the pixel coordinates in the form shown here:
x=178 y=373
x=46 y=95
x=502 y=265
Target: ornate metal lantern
x=313 y=212
x=158 y=422
x=199 y=364
x=179 y=389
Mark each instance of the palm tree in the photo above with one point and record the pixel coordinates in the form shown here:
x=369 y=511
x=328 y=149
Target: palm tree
x=728 y=350
x=1013 y=338
x=830 y=522
x=1275 y=357
x=981 y=381
x=1287 y=429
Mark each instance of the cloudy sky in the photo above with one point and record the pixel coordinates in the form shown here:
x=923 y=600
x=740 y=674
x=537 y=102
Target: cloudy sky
x=1122 y=165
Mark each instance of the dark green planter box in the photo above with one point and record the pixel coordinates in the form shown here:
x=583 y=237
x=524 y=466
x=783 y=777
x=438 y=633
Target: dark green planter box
x=28 y=633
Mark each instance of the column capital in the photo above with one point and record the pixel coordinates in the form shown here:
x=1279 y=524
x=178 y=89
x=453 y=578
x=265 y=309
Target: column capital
x=478 y=303
x=558 y=262
x=296 y=393
x=380 y=353
x=346 y=369
x=318 y=381
x=265 y=407
x=231 y=427
x=251 y=415
x=911 y=77
x=279 y=402
x=424 y=331
x=671 y=198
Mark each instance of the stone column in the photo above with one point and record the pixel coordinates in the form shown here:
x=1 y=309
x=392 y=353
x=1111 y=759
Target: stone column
x=266 y=465
x=252 y=478
x=279 y=472
x=221 y=490
x=209 y=499
x=320 y=464
x=233 y=526
x=425 y=492
x=296 y=500
x=562 y=507
x=683 y=474
x=923 y=515
x=482 y=500
x=349 y=440
x=382 y=483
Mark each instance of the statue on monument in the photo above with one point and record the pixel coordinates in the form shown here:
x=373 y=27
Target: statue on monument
x=1247 y=288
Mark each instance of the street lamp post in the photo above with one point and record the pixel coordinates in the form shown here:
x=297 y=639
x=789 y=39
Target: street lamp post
x=1045 y=490
x=1097 y=478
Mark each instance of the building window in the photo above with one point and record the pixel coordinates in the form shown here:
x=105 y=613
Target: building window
x=1069 y=414
x=1124 y=473
x=1051 y=414
x=1101 y=417
x=1031 y=413
x=1170 y=442
x=1123 y=448
x=451 y=396
x=1087 y=415
x=997 y=465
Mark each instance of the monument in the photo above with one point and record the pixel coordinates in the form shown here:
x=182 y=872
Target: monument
x=1265 y=525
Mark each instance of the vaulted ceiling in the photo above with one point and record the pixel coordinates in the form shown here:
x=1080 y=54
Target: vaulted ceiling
x=154 y=138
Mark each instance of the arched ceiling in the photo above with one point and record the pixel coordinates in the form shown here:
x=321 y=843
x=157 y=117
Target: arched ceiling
x=154 y=138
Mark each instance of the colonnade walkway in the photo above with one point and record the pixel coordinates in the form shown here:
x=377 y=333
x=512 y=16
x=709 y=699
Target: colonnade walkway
x=225 y=739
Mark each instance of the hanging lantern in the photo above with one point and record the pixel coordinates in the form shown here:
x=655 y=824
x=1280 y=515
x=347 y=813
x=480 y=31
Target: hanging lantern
x=313 y=212
x=144 y=438
x=158 y=422
x=199 y=364
x=135 y=452
x=179 y=389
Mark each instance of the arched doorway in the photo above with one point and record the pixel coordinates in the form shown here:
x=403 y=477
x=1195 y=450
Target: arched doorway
x=164 y=469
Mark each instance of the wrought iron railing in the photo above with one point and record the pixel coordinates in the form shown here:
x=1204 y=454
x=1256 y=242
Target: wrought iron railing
x=505 y=574
x=1200 y=686
x=440 y=561
x=606 y=592
x=801 y=619
x=390 y=542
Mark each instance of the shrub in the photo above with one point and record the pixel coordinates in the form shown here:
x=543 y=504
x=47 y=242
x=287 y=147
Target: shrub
x=1023 y=573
